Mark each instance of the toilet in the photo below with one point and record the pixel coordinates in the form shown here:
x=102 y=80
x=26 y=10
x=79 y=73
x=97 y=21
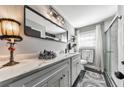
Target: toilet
x=83 y=62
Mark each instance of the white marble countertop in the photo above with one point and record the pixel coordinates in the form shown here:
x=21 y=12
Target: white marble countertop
x=27 y=65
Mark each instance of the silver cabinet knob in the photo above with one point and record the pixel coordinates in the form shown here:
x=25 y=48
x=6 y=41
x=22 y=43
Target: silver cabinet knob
x=61 y=78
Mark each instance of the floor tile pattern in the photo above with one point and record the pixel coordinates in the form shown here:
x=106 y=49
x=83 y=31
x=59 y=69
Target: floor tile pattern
x=92 y=79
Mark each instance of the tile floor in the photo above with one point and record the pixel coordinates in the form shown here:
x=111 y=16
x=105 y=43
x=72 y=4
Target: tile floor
x=92 y=79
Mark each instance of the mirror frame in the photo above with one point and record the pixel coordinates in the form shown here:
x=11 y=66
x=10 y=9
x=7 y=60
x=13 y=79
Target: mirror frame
x=39 y=14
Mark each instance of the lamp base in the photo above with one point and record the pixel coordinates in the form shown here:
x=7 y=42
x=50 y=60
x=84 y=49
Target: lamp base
x=11 y=63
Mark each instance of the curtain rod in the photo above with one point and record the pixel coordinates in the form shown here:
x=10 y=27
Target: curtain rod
x=114 y=19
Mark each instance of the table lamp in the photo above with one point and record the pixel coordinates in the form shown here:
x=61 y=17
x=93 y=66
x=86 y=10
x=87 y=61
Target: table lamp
x=9 y=29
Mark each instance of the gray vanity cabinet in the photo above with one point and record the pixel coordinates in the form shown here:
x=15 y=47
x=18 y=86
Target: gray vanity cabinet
x=75 y=68
x=56 y=75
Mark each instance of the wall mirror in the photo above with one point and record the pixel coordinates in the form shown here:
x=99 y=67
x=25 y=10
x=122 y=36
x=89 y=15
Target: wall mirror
x=37 y=25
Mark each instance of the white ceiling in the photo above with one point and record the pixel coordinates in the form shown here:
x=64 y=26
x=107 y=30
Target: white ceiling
x=82 y=15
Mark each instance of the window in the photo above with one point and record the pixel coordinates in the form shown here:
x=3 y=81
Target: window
x=87 y=39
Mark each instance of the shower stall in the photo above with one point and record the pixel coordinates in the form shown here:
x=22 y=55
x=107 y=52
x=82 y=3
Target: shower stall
x=111 y=51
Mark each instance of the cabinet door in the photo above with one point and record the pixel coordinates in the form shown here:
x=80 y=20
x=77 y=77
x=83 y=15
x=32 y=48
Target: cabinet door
x=61 y=78
x=75 y=68
x=74 y=71
x=65 y=82
x=56 y=80
x=78 y=68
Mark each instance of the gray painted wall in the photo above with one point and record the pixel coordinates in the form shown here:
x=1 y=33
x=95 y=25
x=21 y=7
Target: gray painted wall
x=29 y=44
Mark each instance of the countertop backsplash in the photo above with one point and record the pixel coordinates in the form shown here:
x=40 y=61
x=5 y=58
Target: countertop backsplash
x=19 y=56
x=26 y=56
